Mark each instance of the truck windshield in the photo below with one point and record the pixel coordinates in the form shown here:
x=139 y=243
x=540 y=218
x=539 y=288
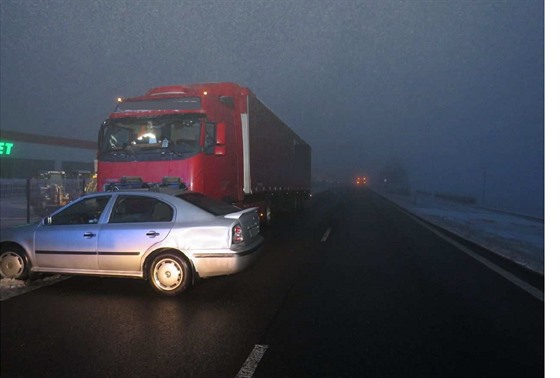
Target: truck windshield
x=150 y=138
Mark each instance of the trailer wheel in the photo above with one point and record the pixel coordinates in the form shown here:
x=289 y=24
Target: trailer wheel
x=268 y=216
x=299 y=203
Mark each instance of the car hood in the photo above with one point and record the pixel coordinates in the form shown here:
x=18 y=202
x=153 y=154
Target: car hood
x=12 y=233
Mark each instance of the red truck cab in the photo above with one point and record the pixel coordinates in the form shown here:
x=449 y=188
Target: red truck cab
x=215 y=138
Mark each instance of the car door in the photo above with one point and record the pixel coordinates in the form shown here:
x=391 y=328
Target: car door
x=67 y=241
x=136 y=223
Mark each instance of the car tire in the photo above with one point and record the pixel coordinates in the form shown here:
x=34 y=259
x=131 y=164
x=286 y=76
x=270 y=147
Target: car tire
x=169 y=274
x=13 y=264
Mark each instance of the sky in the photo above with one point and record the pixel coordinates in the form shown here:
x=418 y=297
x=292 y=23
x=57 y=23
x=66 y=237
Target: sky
x=452 y=90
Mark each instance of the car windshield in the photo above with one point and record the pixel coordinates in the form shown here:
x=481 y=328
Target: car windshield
x=150 y=138
x=209 y=204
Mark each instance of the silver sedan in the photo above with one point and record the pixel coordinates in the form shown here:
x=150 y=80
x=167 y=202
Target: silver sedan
x=167 y=239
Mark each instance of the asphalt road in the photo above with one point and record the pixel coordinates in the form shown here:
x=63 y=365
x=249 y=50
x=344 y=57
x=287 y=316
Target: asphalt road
x=352 y=287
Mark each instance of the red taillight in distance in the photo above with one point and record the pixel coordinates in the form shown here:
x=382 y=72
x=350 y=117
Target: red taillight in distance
x=361 y=180
x=237 y=234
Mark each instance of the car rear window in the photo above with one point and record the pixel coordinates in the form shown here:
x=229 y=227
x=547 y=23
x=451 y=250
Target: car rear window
x=209 y=204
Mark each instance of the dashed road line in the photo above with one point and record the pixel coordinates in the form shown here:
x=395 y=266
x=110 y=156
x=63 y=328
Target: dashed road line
x=251 y=363
x=326 y=235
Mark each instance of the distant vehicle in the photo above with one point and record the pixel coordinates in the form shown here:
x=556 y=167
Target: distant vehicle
x=51 y=192
x=167 y=239
x=86 y=182
x=361 y=180
x=79 y=174
x=218 y=139
x=55 y=189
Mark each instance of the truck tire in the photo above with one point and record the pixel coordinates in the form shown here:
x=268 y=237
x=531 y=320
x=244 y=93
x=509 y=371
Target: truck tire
x=269 y=214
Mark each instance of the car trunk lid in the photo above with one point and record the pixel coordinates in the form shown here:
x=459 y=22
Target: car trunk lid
x=249 y=221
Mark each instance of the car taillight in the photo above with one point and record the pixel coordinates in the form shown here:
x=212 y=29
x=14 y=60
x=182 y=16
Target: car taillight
x=237 y=234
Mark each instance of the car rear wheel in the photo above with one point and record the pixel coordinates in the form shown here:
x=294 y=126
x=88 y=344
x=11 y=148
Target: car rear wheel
x=13 y=264
x=169 y=274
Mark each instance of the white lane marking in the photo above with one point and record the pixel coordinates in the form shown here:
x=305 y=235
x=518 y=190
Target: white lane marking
x=489 y=264
x=251 y=363
x=326 y=235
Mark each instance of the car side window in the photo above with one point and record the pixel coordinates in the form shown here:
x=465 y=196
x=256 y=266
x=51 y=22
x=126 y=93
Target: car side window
x=85 y=211
x=133 y=209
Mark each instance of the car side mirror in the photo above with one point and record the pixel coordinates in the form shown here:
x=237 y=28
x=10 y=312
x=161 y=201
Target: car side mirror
x=47 y=221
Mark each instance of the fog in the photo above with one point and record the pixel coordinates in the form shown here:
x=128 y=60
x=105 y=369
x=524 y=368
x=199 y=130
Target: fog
x=452 y=91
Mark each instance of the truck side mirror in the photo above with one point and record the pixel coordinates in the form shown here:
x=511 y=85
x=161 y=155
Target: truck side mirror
x=220 y=148
x=220 y=134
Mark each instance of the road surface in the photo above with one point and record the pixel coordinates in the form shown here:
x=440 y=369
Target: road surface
x=352 y=287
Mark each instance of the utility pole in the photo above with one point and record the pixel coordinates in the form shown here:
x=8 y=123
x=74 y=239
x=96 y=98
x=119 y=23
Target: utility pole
x=484 y=187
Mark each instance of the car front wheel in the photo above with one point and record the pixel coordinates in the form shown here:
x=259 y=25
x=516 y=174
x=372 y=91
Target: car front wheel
x=13 y=264
x=169 y=274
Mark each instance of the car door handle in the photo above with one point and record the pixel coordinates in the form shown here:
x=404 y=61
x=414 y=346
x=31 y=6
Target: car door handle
x=152 y=234
x=89 y=235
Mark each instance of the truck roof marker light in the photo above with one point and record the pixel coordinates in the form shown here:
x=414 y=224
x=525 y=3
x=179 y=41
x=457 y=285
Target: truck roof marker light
x=205 y=93
x=167 y=93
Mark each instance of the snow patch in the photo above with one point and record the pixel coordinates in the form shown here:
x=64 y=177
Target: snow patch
x=516 y=237
x=11 y=283
x=10 y=287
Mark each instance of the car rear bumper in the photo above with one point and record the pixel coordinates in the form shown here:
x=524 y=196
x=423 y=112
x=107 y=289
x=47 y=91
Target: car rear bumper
x=209 y=264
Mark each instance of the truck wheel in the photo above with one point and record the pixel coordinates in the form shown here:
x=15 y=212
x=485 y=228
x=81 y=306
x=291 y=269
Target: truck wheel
x=299 y=203
x=268 y=216
x=169 y=274
x=13 y=264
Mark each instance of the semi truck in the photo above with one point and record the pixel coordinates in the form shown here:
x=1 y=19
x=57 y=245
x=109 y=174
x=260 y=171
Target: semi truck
x=218 y=139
